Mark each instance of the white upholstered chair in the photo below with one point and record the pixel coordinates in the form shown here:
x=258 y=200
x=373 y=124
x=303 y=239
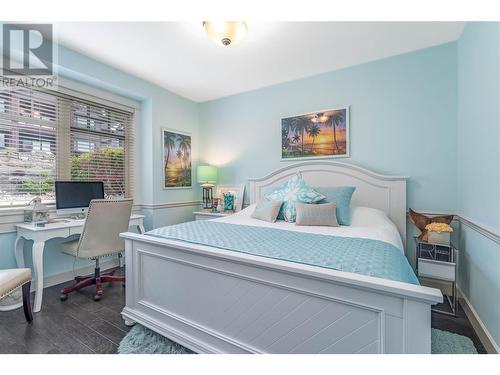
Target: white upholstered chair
x=106 y=219
x=10 y=280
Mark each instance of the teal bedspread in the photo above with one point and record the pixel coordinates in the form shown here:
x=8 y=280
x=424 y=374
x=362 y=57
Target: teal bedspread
x=357 y=255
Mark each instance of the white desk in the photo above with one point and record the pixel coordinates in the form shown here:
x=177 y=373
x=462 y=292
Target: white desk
x=39 y=235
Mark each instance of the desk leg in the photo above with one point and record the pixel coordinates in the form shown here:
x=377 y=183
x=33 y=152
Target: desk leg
x=19 y=251
x=38 y=267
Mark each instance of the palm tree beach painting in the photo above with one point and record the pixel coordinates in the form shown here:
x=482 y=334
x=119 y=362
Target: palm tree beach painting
x=322 y=134
x=176 y=159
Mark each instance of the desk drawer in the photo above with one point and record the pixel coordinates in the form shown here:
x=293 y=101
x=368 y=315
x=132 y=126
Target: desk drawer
x=436 y=269
x=75 y=230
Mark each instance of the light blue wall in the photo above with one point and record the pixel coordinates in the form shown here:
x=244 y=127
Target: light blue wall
x=478 y=123
x=403 y=122
x=479 y=167
x=159 y=108
x=432 y=115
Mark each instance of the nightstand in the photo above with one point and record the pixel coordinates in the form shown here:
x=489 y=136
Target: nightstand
x=438 y=262
x=208 y=215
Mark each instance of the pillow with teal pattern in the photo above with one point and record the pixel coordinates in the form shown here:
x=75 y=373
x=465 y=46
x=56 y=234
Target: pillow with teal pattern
x=294 y=190
x=341 y=195
x=228 y=202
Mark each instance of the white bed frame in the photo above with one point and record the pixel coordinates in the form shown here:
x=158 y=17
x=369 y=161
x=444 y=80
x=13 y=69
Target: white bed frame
x=217 y=301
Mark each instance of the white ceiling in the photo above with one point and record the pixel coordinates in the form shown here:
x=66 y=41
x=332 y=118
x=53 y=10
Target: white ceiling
x=179 y=56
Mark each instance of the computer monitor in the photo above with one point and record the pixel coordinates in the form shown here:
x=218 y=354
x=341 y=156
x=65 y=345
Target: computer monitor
x=73 y=197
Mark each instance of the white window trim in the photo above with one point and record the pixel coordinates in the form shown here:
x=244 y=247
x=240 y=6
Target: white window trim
x=9 y=216
x=94 y=94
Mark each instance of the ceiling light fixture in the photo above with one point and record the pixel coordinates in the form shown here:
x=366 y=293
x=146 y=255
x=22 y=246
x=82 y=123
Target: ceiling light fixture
x=227 y=34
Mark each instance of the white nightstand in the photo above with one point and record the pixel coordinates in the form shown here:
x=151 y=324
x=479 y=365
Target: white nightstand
x=438 y=262
x=208 y=215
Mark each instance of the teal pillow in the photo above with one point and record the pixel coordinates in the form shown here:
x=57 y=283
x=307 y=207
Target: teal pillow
x=341 y=195
x=294 y=190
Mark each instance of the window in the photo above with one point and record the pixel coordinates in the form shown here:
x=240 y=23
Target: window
x=98 y=140
x=46 y=136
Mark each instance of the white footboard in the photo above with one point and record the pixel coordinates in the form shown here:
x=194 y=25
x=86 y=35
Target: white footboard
x=216 y=301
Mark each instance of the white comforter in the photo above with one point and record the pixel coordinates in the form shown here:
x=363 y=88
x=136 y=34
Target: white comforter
x=365 y=223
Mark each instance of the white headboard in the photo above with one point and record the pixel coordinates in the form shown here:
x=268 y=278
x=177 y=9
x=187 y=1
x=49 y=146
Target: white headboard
x=387 y=193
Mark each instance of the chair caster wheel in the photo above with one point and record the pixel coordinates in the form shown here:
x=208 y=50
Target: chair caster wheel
x=63 y=297
x=97 y=297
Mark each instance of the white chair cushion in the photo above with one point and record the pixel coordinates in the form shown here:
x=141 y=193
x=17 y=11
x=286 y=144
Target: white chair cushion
x=71 y=248
x=12 y=279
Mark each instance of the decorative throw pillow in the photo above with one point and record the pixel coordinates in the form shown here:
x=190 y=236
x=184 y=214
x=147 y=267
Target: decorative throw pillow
x=316 y=214
x=228 y=202
x=341 y=195
x=267 y=210
x=294 y=190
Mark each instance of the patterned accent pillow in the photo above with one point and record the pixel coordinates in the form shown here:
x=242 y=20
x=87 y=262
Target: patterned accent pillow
x=316 y=214
x=228 y=202
x=267 y=210
x=294 y=190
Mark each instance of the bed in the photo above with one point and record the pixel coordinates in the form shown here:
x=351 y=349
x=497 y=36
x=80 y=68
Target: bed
x=240 y=295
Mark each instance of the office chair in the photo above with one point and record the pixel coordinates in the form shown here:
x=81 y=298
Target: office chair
x=106 y=219
x=12 y=279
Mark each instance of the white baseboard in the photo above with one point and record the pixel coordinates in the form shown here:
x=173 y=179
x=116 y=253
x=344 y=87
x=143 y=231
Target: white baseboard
x=80 y=271
x=479 y=327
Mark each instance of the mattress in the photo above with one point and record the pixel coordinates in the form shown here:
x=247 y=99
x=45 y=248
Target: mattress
x=349 y=249
x=366 y=222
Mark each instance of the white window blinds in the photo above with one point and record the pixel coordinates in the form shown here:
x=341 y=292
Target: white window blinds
x=46 y=136
x=28 y=146
x=98 y=146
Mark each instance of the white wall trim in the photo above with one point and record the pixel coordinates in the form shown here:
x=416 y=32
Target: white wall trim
x=479 y=327
x=11 y=216
x=478 y=227
x=158 y=206
x=477 y=324
x=92 y=93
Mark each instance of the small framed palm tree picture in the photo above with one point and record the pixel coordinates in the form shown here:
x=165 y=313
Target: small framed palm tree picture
x=322 y=134
x=176 y=159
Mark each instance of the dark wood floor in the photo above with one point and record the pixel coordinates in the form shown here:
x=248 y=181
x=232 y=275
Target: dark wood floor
x=459 y=324
x=80 y=325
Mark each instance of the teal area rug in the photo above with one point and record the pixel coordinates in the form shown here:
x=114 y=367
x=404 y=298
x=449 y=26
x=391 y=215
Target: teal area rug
x=444 y=342
x=141 y=340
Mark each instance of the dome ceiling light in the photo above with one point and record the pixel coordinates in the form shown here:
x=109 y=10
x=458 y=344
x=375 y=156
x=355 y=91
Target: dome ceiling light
x=227 y=34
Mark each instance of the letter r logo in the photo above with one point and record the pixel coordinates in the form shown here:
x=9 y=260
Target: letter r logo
x=27 y=49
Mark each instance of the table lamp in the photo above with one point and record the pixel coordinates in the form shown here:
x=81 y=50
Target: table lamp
x=207 y=177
